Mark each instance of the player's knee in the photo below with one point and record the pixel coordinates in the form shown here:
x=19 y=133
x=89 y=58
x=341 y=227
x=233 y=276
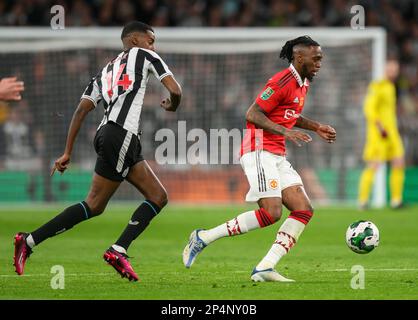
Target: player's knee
x=163 y=201
x=311 y=211
x=398 y=163
x=309 y=208
x=373 y=166
x=304 y=214
x=275 y=212
x=160 y=199
x=96 y=208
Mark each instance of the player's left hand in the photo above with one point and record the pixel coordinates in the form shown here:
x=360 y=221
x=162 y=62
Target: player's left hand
x=166 y=104
x=327 y=133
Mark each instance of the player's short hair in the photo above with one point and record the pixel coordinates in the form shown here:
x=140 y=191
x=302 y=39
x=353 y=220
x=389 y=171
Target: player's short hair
x=133 y=27
x=287 y=50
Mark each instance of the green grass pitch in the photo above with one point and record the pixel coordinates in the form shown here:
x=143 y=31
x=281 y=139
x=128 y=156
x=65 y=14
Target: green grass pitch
x=320 y=262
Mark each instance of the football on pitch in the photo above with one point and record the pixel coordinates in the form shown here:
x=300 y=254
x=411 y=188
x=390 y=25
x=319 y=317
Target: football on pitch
x=362 y=236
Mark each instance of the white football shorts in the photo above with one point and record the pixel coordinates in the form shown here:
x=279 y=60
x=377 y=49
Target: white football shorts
x=268 y=174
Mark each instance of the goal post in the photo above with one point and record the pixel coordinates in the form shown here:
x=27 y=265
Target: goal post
x=221 y=71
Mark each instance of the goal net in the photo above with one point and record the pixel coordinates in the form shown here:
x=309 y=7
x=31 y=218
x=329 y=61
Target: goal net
x=221 y=72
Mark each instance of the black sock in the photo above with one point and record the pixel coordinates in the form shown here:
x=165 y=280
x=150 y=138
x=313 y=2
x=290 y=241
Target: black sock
x=62 y=222
x=139 y=221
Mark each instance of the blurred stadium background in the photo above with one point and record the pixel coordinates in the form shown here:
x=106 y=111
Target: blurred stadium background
x=220 y=78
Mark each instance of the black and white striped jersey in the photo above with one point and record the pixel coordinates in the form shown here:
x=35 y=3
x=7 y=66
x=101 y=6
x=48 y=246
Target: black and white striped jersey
x=121 y=85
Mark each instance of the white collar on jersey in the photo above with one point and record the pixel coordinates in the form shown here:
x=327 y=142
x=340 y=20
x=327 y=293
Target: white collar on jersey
x=297 y=76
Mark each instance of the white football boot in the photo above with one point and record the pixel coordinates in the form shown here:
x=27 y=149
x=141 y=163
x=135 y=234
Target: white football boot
x=193 y=248
x=268 y=275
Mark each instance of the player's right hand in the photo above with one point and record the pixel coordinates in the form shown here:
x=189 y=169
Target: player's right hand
x=383 y=133
x=297 y=136
x=166 y=104
x=382 y=130
x=61 y=164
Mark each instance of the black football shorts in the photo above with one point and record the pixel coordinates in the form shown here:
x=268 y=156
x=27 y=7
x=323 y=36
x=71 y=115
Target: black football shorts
x=117 y=150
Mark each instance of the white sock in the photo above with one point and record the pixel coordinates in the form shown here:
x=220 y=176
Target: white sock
x=29 y=241
x=243 y=223
x=119 y=248
x=287 y=236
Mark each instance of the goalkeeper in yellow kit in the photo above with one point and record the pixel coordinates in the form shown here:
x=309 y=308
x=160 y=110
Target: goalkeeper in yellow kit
x=383 y=142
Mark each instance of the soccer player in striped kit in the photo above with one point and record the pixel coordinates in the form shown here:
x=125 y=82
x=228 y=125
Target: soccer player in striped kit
x=120 y=86
x=273 y=181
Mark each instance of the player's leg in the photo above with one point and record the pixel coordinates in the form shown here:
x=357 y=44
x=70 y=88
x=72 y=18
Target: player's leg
x=375 y=153
x=100 y=192
x=265 y=271
x=143 y=178
x=366 y=183
x=397 y=174
x=295 y=199
x=262 y=177
x=301 y=211
x=397 y=178
x=118 y=153
x=268 y=213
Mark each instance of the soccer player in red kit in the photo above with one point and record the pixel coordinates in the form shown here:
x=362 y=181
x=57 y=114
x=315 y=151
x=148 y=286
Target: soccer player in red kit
x=273 y=181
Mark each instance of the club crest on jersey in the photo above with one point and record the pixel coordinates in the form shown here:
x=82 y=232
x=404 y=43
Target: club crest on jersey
x=273 y=184
x=290 y=113
x=267 y=93
x=302 y=100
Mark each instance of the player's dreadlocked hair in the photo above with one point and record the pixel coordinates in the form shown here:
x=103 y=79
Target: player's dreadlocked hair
x=287 y=50
x=135 y=26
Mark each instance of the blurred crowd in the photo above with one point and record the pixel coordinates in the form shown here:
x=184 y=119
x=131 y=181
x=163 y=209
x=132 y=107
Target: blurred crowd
x=398 y=17
x=24 y=130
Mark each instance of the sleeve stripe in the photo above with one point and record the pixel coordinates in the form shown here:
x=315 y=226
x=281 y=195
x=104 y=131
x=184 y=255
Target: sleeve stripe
x=89 y=88
x=157 y=63
x=284 y=83
x=159 y=67
x=164 y=75
x=89 y=98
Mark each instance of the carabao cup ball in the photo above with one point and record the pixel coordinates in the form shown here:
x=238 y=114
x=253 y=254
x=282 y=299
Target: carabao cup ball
x=362 y=236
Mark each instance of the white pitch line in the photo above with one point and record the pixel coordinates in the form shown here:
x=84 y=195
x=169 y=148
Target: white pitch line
x=240 y=271
x=347 y=270
x=384 y=270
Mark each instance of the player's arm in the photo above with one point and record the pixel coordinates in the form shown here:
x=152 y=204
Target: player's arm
x=371 y=109
x=174 y=88
x=257 y=116
x=326 y=132
x=161 y=71
x=89 y=100
x=84 y=107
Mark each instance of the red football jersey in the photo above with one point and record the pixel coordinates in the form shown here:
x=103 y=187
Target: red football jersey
x=282 y=100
